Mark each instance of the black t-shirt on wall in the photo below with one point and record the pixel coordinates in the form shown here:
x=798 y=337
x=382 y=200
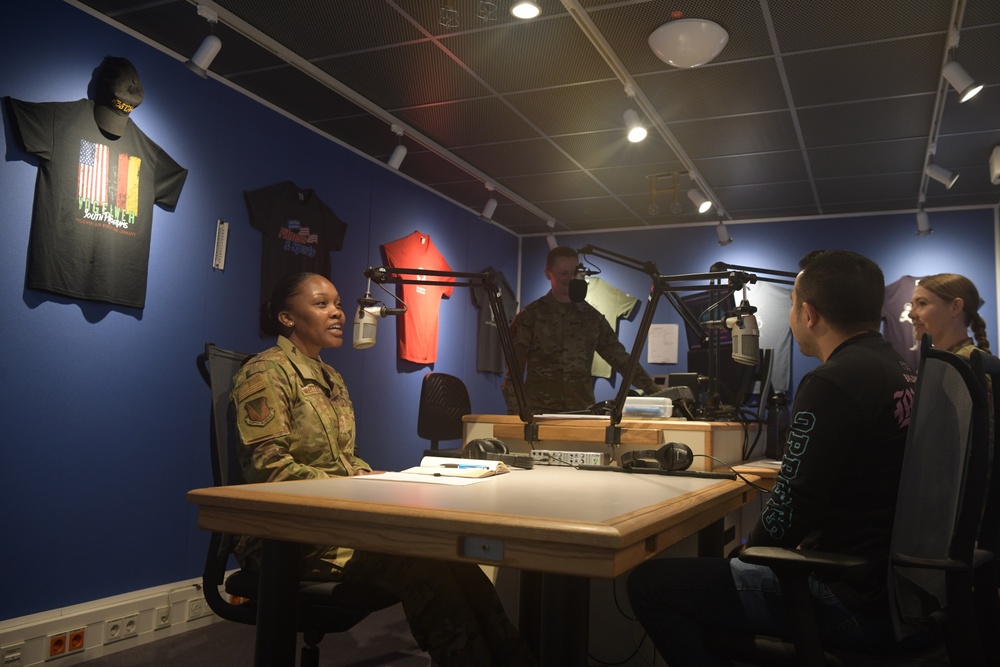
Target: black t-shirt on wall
x=93 y=209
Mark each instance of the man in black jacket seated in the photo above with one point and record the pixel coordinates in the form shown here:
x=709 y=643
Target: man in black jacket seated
x=836 y=490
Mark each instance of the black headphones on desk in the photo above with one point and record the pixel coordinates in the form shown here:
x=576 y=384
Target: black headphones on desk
x=492 y=449
x=671 y=456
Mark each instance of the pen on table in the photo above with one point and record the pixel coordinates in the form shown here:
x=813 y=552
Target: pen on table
x=462 y=465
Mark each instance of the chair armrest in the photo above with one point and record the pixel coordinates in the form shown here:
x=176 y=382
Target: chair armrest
x=798 y=561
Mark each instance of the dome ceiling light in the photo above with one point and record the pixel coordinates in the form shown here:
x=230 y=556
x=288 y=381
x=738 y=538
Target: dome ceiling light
x=686 y=43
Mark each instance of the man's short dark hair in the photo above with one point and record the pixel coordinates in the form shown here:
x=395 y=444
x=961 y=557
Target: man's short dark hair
x=560 y=251
x=844 y=287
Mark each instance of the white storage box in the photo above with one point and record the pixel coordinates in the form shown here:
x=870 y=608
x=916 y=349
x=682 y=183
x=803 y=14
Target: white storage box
x=648 y=406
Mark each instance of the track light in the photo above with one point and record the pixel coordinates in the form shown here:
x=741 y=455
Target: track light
x=923 y=223
x=941 y=175
x=210 y=46
x=525 y=9
x=491 y=205
x=724 y=237
x=399 y=152
x=699 y=200
x=636 y=132
x=961 y=81
x=550 y=238
x=396 y=159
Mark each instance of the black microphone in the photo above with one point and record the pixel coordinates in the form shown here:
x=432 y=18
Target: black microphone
x=578 y=286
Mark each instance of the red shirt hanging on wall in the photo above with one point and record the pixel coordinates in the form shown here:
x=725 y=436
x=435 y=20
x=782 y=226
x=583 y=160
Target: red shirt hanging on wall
x=418 y=327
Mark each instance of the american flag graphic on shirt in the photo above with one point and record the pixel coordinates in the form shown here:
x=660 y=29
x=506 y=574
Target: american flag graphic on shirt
x=104 y=181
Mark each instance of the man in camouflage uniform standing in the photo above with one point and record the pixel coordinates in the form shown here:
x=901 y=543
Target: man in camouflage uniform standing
x=296 y=421
x=555 y=339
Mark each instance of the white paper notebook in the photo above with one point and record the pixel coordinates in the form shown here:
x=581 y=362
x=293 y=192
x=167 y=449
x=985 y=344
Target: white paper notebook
x=441 y=466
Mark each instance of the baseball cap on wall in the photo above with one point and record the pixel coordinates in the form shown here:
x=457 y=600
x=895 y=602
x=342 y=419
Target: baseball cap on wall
x=117 y=92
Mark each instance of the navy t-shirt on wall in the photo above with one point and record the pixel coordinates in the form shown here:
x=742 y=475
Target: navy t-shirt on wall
x=299 y=232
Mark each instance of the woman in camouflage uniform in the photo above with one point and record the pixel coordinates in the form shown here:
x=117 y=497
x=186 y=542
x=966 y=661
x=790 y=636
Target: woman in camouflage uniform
x=296 y=421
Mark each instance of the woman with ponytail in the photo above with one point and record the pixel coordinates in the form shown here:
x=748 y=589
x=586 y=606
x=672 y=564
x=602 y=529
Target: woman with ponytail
x=946 y=306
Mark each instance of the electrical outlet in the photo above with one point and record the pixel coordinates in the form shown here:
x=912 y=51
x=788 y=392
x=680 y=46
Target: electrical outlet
x=121 y=628
x=161 y=617
x=12 y=655
x=198 y=608
x=57 y=646
x=76 y=640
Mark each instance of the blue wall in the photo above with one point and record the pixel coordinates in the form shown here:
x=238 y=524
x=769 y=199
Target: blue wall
x=106 y=417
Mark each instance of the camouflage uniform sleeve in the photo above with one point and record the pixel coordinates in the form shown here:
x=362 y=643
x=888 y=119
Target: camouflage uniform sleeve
x=616 y=355
x=262 y=396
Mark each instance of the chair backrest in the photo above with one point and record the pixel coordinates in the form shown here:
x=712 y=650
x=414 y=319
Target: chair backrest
x=989 y=531
x=941 y=491
x=444 y=400
x=217 y=368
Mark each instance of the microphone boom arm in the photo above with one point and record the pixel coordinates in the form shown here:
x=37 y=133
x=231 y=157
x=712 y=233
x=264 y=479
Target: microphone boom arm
x=490 y=282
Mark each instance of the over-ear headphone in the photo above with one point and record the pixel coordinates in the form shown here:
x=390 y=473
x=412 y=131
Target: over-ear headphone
x=671 y=456
x=492 y=449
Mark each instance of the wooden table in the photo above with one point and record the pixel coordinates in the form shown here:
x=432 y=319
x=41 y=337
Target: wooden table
x=566 y=524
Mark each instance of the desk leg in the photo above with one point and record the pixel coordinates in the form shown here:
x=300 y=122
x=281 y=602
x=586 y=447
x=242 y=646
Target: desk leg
x=277 y=591
x=712 y=539
x=565 y=617
x=529 y=609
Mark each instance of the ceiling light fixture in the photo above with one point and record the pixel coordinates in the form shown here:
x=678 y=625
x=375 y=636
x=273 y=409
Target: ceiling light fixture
x=724 y=237
x=525 y=9
x=941 y=175
x=550 y=238
x=210 y=46
x=636 y=132
x=487 y=10
x=686 y=43
x=923 y=223
x=699 y=200
x=448 y=18
x=491 y=205
x=399 y=152
x=961 y=81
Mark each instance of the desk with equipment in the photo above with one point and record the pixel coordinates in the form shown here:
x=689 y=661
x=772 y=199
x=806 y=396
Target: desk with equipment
x=566 y=524
x=574 y=437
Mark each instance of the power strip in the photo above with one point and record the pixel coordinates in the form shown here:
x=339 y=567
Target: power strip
x=555 y=457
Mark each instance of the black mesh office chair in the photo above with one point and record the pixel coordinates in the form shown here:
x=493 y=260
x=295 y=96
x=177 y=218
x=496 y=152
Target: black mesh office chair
x=938 y=512
x=444 y=400
x=323 y=607
x=987 y=557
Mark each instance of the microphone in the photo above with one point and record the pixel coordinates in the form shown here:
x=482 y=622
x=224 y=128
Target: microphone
x=366 y=322
x=746 y=334
x=578 y=286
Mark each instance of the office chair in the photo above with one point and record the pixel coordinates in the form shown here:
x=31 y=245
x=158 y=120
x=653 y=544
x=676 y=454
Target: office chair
x=322 y=607
x=987 y=556
x=444 y=400
x=939 y=506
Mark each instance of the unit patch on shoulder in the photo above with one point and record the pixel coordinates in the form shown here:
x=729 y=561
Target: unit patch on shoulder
x=259 y=413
